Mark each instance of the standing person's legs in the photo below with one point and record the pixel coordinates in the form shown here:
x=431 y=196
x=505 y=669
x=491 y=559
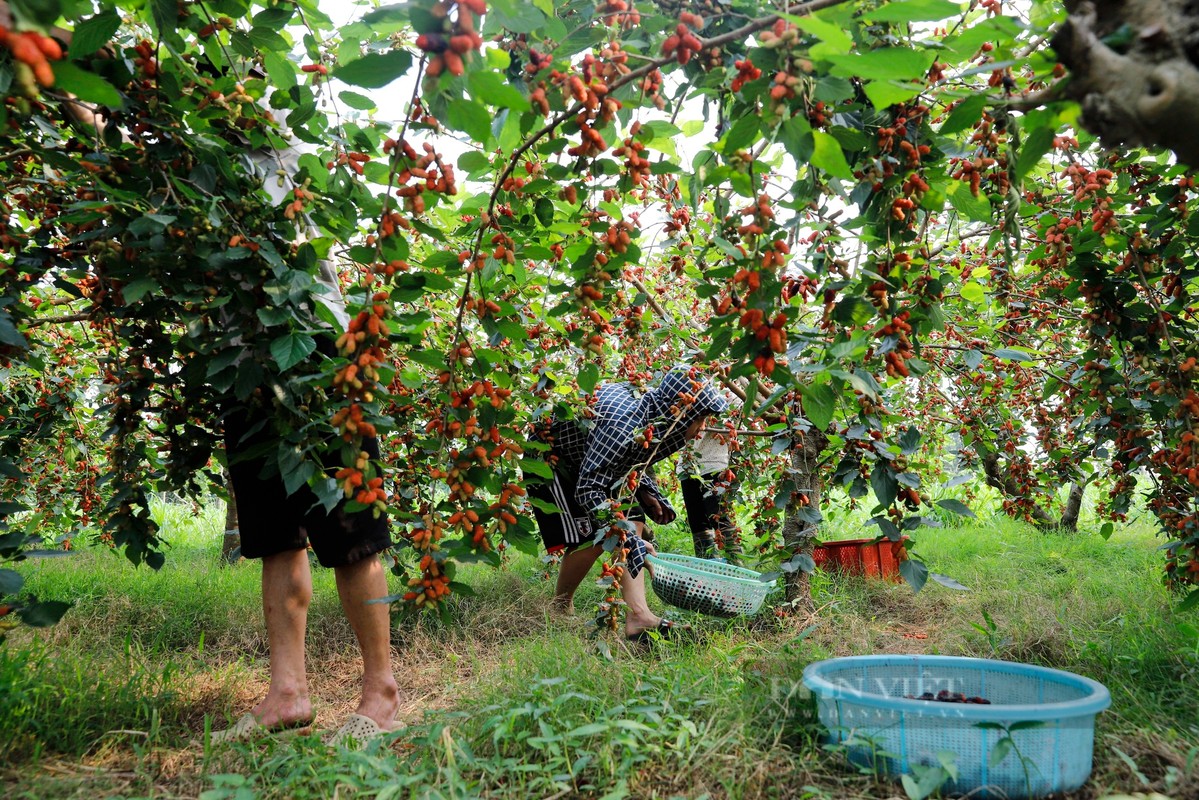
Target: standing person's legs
x=638 y=617
x=698 y=506
x=286 y=593
x=728 y=537
x=271 y=531
x=357 y=584
x=350 y=544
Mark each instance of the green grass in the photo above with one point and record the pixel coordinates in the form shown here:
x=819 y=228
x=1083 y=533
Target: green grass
x=518 y=704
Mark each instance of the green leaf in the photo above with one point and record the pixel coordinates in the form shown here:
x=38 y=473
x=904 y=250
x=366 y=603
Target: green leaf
x=948 y=582
x=949 y=762
x=268 y=40
x=883 y=94
x=834 y=37
x=914 y=572
x=742 y=134
x=1189 y=602
x=864 y=382
x=909 y=440
x=882 y=481
x=137 y=288
x=913 y=11
x=516 y=15
x=374 y=70
x=970 y=205
x=828 y=156
x=473 y=161
x=533 y=466
x=1035 y=146
x=274 y=17
x=10 y=581
x=590 y=729
x=43 y=615
x=1012 y=355
x=87 y=86
x=884 y=64
x=1026 y=725
x=471 y=118
x=957 y=507
x=41 y=13
x=796 y=136
x=387 y=19
x=355 y=100
x=1000 y=751
x=9 y=334
x=491 y=88
x=292 y=348
x=543 y=209
x=819 y=404
x=965 y=114
x=280 y=70
x=150 y=224
x=588 y=377
x=165 y=14
x=93 y=33
x=973 y=292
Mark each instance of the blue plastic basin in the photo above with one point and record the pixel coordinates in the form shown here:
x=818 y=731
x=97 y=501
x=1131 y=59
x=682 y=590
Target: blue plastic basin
x=1047 y=715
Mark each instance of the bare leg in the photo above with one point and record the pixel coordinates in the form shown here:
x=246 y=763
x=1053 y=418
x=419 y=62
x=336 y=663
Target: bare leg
x=638 y=617
x=571 y=572
x=356 y=584
x=286 y=593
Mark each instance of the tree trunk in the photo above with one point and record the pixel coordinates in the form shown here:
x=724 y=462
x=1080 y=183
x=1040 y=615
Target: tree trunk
x=232 y=539
x=993 y=471
x=799 y=533
x=1069 y=520
x=1133 y=70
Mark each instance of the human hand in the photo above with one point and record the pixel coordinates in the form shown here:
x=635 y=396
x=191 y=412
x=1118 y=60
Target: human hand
x=654 y=509
x=650 y=505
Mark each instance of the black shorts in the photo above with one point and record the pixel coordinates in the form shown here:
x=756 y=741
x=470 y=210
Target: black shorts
x=570 y=526
x=271 y=521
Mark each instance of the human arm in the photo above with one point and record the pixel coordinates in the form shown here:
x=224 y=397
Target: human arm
x=652 y=501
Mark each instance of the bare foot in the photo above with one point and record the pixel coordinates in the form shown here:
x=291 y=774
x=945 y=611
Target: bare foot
x=636 y=625
x=562 y=607
x=381 y=703
x=283 y=710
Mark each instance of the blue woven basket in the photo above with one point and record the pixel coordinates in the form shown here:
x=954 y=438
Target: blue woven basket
x=1048 y=715
x=707 y=586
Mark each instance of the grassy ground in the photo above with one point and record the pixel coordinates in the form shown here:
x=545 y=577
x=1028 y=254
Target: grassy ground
x=506 y=701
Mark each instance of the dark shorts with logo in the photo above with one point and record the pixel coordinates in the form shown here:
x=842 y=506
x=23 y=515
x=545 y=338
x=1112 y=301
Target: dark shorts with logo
x=271 y=521
x=570 y=527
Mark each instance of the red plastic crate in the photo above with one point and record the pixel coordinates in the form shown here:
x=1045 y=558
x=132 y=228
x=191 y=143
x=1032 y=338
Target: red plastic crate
x=867 y=557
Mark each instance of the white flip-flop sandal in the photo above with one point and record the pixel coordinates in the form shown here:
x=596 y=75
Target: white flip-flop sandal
x=355 y=732
x=248 y=727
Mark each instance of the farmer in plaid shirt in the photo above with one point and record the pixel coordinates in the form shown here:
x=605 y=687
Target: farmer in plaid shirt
x=602 y=469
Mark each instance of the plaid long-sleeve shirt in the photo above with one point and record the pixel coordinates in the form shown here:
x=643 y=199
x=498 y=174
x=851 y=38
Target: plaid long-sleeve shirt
x=627 y=434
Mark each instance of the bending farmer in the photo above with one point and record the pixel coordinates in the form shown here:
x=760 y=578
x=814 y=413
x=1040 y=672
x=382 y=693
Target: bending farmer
x=593 y=463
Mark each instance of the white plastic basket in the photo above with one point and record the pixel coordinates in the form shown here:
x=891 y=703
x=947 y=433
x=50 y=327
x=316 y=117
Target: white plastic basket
x=709 y=587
